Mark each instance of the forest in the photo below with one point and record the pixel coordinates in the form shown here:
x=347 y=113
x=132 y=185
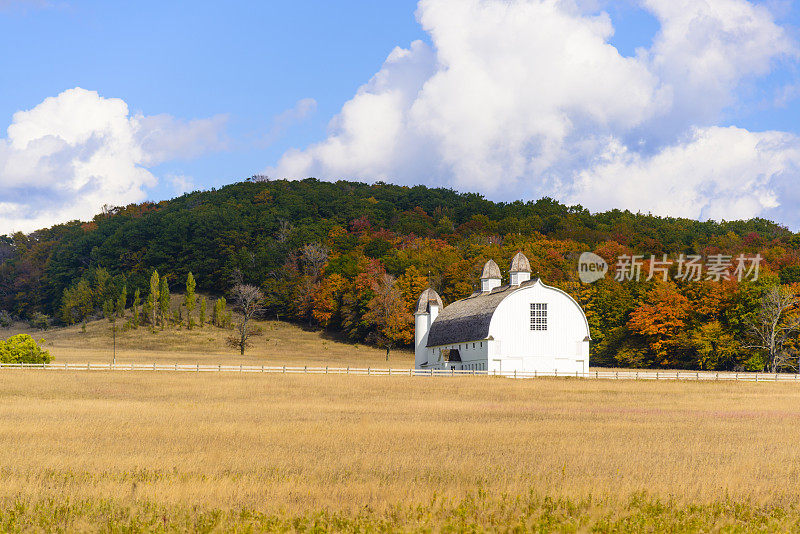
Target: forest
x=351 y=258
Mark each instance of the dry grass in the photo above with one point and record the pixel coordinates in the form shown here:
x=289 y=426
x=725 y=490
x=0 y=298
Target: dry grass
x=281 y=344
x=379 y=452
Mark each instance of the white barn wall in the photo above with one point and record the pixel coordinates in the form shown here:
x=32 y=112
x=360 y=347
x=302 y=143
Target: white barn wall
x=561 y=347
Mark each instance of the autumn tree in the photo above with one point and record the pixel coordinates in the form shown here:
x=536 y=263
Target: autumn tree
x=190 y=300
x=327 y=300
x=247 y=300
x=716 y=348
x=662 y=320
x=387 y=312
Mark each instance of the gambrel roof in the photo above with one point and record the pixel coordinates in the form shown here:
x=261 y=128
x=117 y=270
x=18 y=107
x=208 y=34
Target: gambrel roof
x=469 y=319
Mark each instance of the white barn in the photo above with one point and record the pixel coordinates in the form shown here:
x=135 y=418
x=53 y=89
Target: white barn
x=524 y=326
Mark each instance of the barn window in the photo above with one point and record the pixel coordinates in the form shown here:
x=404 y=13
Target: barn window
x=538 y=316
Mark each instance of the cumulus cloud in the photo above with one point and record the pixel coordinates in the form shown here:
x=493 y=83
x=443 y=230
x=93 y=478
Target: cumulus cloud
x=71 y=154
x=522 y=98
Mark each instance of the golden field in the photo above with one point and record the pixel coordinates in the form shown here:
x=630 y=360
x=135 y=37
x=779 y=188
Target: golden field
x=139 y=451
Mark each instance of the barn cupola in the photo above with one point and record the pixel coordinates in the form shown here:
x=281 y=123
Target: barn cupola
x=520 y=269
x=428 y=306
x=490 y=277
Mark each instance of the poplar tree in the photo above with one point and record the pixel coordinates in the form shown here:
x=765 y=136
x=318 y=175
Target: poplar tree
x=190 y=300
x=215 y=314
x=163 y=301
x=137 y=299
x=203 y=304
x=122 y=301
x=151 y=304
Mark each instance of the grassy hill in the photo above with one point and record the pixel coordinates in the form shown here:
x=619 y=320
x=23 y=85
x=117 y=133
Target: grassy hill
x=282 y=343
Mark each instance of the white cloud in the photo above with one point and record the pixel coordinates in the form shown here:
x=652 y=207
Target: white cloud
x=527 y=97
x=68 y=156
x=717 y=173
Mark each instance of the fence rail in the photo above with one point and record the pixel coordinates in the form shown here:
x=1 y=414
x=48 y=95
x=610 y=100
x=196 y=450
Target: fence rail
x=604 y=375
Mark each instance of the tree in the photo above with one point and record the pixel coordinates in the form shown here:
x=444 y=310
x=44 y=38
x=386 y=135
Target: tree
x=39 y=321
x=122 y=301
x=387 y=312
x=111 y=315
x=136 y=301
x=22 y=349
x=163 y=301
x=151 y=304
x=661 y=318
x=77 y=304
x=314 y=257
x=247 y=300
x=774 y=325
x=202 y=318
x=190 y=300
x=220 y=316
x=716 y=348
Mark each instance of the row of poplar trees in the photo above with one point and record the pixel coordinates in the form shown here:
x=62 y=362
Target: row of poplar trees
x=83 y=300
x=157 y=306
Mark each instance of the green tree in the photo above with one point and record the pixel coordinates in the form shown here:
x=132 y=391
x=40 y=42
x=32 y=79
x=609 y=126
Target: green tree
x=190 y=300
x=122 y=301
x=202 y=318
x=22 y=349
x=163 y=301
x=137 y=299
x=77 y=303
x=151 y=304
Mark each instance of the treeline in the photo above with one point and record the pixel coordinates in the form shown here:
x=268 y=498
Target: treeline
x=353 y=257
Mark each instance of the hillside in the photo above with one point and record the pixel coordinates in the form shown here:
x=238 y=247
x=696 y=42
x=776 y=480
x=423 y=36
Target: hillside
x=282 y=343
x=323 y=253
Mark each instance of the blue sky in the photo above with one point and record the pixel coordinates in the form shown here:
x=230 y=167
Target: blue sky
x=248 y=60
x=636 y=105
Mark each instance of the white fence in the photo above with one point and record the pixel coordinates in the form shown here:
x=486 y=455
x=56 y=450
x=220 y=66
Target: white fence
x=606 y=374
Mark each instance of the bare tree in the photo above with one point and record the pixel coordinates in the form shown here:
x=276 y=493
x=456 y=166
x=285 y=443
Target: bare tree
x=773 y=325
x=247 y=300
x=284 y=231
x=314 y=257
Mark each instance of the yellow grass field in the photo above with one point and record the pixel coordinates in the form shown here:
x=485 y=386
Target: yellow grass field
x=138 y=451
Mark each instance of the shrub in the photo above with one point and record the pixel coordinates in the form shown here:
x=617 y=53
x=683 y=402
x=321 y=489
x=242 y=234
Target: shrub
x=6 y=320
x=22 y=349
x=39 y=321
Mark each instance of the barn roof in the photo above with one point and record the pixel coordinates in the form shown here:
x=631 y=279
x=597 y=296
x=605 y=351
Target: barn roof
x=427 y=297
x=468 y=319
x=491 y=270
